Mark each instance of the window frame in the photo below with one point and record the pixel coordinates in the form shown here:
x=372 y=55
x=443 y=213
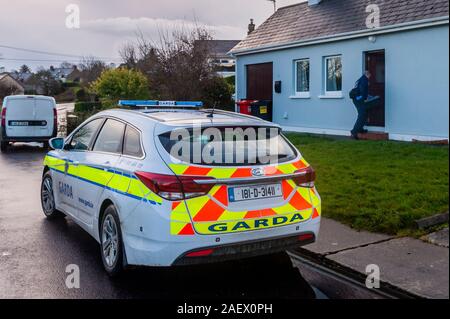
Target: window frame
x=302 y=94
x=120 y=153
x=140 y=142
x=335 y=94
x=70 y=138
x=294 y=150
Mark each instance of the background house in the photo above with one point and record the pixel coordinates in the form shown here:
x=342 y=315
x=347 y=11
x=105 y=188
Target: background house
x=315 y=51
x=226 y=64
x=63 y=73
x=9 y=85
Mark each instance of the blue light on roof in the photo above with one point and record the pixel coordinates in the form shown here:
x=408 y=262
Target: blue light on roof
x=150 y=103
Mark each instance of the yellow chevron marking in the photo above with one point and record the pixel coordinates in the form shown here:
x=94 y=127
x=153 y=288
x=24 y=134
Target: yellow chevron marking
x=230 y=216
x=178 y=169
x=305 y=193
x=316 y=200
x=196 y=204
x=180 y=213
x=222 y=172
x=285 y=209
x=176 y=227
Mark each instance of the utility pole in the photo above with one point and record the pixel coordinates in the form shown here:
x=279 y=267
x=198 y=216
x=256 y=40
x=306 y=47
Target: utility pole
x=274 y=5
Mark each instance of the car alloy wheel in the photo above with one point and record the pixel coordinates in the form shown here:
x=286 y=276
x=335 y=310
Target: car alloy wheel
x=110 y=241
x=47 y=198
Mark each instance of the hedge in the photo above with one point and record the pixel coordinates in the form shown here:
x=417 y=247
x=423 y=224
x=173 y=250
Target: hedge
x=87 y=106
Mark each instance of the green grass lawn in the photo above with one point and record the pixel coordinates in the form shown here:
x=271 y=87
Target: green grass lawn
x=377 y=186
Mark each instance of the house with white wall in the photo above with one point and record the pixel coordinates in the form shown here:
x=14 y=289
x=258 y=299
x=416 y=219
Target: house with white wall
x=307 y=57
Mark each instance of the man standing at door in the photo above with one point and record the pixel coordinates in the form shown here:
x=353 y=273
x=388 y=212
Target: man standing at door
x=361 y=103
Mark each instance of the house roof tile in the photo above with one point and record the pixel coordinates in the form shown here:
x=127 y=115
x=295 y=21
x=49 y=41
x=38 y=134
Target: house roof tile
x=332 y=17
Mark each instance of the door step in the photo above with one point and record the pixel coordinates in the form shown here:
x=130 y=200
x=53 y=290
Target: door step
x=374 y=136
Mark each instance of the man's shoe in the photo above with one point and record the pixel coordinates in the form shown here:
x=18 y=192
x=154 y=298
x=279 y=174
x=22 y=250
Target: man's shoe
x=355 y=136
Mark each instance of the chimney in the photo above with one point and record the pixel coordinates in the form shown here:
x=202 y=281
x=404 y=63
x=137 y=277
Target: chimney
x=251 y=27
x=314 y=2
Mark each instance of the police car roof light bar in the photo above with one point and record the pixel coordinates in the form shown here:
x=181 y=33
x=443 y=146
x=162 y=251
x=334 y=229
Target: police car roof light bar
x=160 y=104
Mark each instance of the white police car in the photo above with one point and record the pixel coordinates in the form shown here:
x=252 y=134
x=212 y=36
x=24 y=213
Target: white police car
x=173 y=184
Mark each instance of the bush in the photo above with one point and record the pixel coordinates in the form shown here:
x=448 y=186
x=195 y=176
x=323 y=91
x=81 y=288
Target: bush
x=121 y=83
x=76 y=119
x=82 y=107
x=231 y=80
x=67 y=85
x=82 y=96
x=67 y=96
x=217 y=91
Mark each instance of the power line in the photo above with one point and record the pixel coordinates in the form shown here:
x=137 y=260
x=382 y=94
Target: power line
x=49 y=53
x=49 y=60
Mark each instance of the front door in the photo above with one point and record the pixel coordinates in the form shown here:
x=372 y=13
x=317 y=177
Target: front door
x=375 y=63
x=259 y=81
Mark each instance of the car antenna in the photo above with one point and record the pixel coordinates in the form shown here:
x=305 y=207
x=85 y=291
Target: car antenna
x=211 y=115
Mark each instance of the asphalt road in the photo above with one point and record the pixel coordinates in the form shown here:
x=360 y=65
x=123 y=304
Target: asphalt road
x=35 y=252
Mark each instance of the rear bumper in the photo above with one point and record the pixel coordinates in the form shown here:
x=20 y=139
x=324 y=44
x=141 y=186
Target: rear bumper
x=174 y=250
x=246 y=249
x=25 y=139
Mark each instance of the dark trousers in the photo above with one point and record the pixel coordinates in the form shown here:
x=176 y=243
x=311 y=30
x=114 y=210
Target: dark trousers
x=362 y=116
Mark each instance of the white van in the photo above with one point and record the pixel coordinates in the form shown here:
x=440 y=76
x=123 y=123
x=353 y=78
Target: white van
x=28 y=118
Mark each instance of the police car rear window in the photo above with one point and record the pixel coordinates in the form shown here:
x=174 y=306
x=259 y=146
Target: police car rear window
x=228 y=146
x=132 y=143
x=110 y=137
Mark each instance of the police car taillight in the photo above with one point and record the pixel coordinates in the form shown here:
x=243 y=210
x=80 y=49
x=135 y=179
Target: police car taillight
x=4 y=117
x=307 y=178
x=173 y=187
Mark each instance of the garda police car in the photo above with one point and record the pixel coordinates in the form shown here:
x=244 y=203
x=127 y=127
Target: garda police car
x=123 y=177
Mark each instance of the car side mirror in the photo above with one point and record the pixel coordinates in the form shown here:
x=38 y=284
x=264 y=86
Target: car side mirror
x=56 y=143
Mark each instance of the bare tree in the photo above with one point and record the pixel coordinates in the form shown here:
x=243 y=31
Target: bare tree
x=178 y=64
x=129 y=55
x=91 y=69
x=44 y=79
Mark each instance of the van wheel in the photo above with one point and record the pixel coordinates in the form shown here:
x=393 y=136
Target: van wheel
x=4 y=147
x=111 y=245
x=48 y=198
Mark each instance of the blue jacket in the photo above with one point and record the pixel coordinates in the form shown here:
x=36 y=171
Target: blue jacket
x=363 y=86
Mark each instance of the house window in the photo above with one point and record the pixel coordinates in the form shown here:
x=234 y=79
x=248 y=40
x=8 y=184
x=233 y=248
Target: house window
x=302 y=79
x=333 y=75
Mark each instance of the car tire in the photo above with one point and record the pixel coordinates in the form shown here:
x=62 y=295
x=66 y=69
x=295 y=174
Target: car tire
x=111 y=244
x=4 y=147
x=48 y=198
x=46 y=146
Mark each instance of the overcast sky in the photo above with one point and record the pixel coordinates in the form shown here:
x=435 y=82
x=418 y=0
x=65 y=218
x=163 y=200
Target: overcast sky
x=107 y=24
